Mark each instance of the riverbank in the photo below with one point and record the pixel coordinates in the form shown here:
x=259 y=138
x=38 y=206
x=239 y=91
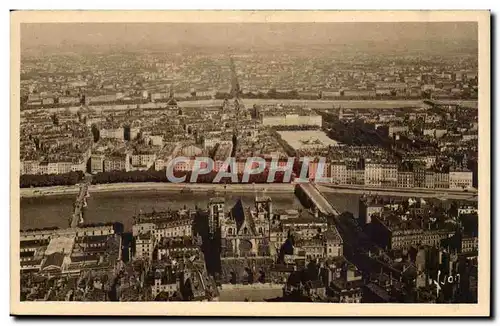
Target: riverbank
x=157 y=186
x=330 y=104
x=240 y=188
x=400 y=192
x=249 y=102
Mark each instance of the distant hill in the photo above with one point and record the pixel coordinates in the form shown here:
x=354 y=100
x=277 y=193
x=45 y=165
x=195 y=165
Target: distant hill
x=233 y=37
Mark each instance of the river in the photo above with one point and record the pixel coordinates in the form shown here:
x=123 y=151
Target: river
x=314 y=104
x=329 y=104
x=46 y=211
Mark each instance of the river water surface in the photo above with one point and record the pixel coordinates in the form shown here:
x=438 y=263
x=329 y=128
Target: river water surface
x=39 y=212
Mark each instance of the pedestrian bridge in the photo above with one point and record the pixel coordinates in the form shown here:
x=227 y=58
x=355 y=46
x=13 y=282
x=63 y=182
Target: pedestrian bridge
x=80 y=203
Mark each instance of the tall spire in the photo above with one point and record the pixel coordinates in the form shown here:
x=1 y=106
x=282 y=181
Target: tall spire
x=171 y=99
x=171 y=91
x=235 y=85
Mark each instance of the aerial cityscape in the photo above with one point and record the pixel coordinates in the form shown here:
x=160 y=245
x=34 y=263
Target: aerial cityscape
x=276 y=162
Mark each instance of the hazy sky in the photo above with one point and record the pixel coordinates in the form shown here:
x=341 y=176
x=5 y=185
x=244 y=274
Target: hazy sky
x=247 y=34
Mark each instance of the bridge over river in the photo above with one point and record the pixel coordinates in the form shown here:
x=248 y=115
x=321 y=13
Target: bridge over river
x=80 y=203
x=309 y=193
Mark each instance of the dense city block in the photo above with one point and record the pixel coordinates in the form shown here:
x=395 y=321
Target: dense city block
x=396 y=132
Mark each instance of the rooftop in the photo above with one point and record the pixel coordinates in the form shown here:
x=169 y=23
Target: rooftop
x=61 y=244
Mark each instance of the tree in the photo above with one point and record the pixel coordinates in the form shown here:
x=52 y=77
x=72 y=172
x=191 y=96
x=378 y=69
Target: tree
x=47 y=180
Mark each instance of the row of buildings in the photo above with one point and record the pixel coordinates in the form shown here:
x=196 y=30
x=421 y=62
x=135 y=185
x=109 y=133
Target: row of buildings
x=390 y=175
x=53 y=145
x=86 y=264
x=145 y=77
x=125 y=141
x=404 y=223
x=283 y=119
x=256 y=231
x=61 y=167
x=70 y=251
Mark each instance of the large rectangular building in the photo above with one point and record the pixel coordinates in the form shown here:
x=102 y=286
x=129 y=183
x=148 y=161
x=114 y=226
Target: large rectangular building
x=460 y=180
x=117 y=162
x=293 y=120
x=97 y=163
x=113 y=133
x=338 y=173
x=307 y=139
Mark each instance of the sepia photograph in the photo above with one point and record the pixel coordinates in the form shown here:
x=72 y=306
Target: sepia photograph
x=335 y=161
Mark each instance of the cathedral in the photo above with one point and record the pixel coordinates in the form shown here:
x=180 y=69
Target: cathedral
x=244 y=231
